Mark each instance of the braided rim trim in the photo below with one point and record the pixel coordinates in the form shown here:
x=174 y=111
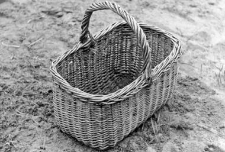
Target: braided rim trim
x=128 y=90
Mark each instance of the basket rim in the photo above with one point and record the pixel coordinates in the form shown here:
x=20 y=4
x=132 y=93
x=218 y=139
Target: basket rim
x=130 y=89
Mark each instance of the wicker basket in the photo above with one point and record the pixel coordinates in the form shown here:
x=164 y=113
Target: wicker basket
x=110 y=83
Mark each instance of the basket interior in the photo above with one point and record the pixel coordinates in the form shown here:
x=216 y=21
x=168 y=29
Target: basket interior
x=114 y=61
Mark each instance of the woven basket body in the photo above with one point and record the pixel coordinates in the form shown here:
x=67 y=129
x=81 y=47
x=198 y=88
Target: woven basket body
x=100 y=93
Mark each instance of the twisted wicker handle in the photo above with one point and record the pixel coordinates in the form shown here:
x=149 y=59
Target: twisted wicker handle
x=129 y=19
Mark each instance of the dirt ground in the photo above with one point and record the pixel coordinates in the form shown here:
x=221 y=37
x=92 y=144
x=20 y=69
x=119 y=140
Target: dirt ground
x=34 y=32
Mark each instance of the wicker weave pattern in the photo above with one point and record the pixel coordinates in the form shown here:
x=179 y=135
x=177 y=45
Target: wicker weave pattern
x=105 y=88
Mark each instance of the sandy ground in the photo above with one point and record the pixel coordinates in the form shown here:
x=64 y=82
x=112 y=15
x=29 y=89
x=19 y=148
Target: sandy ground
x=34 y=32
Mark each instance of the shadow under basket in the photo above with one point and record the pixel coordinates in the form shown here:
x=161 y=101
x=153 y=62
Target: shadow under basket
x=101 y=93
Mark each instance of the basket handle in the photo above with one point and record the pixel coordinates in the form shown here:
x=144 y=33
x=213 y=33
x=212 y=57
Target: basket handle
x=129 y=19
